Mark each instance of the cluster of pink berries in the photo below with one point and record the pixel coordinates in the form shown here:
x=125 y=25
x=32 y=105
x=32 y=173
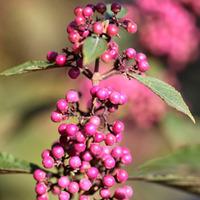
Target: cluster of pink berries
x=86 y=157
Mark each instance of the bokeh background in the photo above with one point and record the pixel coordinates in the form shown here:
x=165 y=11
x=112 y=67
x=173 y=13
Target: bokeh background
x=169 y=33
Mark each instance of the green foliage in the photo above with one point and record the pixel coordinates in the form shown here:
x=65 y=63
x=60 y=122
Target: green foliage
x=172 y=170
x=166 y=92
x=10 y=164
x=93 y=47
x=28 y=67
x=121 y=14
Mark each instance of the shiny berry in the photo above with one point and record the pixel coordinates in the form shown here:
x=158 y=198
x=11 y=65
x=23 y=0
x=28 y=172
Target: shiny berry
x=110 y=139
x=143 y=66
x=63 y=181
x=105 y=193
x=130 y=53
x=62 y=105
x=56 y=116
x=72 y=96
x=74 y=37
x=58 y=152
x=85 y=184
x=61 y=60
x=75 y=162
x=51 y=56
x=87 y=12
x=108 y=180
x=80 y=20
x=116 y=7
x=40 y=188
x=106 y=57
x=118 y=127
x=39 y=175
x=92 y=173
x=90 y=129
x=132 y=27
x=101 y=8
x=121 y=175
x=64 y=196
x=78 y=11
x=98 y=28
x=112 y=30
x=109 y=162
x=73 y=187
x=74 y=73
x=48 y=162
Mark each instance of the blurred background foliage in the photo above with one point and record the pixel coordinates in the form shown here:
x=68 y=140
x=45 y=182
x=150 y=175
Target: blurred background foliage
x=31 y=28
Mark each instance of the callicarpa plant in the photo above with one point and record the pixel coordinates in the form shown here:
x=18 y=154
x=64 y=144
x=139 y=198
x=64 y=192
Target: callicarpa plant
x=86 y=161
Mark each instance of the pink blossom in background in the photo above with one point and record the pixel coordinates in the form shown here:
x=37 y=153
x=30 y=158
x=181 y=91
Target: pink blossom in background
x=141 y=100
x=193 y=4
x=167 y=29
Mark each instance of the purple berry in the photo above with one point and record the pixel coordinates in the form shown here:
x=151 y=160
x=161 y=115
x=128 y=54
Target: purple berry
x=95 y=149
x=72 y=96
x=62 y=129
x=102 y=94
x=95 y=120
x=118 y=127
x=105 y=193
x=110 y=139
x=121 y=175
x=80 y=20
x=117 y=152
x=132 y=27
x=80 y=147
x=78 y=11
x=87 y=12
x=74 y=73
x=39 y=175
x=40 y=188
x=56 y=116
x=90 y=129
x=127 y=159
x=51 y=56
x=85 y=184
x=108 y=180
x=48 y=162
x=87 y=156
x=84 y=197
x=120 y=194
x=130 y=53
x=140 y=57
x=58 y=152
x=92 y=173
x=64 y=196
x=73 y=187
x=114 y=98
x=101 y=8
x=129 y=191
x=106 y=57
x=43 y=197
x=109 y=162
x=99 y=137
x=116 y=7
x=61 y=60
x=63 y=181
x=46 y=153
x=143 y=66
x=75 y=162
x=71 y=130
x=62 y=105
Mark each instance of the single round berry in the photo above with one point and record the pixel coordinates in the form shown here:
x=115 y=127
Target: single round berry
x=108 y=180
x=132 y=27
x=78 y=11
x=95 y=120
x=92 y=173
x=106 y=57
x=61 y=60
x=75 y=162
x=85 y=184
x=112 y=30
x=58 y=152
x=72 y=96
x=94 y=90
x=51 y=56
x=74 y=37
x=102 y=94
x=87 y=156
x=90 y=129
x=46 y=153
x=101 y=8
x=80 y=20
x=56 y=116
x=43 y=197
x=123 y=99
x=109 y=162
x=105 y=193
x=99 y=137
x=64 y=196
x=87 y=12
x=71 y=130
x=118 y=127
x=119 y=137
x=48 y=162
x=117 y=152
x=121 y=175
x=62 y=105
x=143 y=66
x=110 y=139
x=39 y=175
x=116 y=7
x=84 y=166
x=74 y=73
x=79 y=147
x=129 y=191
x=140 y=57
x=127 y=159
x=40 y=188
x=130 y=53
x=98 y=28
x=95 y=149
x=113 y=53
x=120 y=194
x=62 y=129
x=80 y=137
x=114 y=97
x=63 y=181
x=91 y=6
x=73 y=187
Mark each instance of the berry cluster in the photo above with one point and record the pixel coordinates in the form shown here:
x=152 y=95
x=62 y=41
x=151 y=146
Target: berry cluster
x=87 y=158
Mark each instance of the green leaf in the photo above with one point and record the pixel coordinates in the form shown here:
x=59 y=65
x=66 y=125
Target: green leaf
x=121 y=14
x=166 y=92
x=172 y=170
x=93 y=47
x=10 y=164
x=27 y=67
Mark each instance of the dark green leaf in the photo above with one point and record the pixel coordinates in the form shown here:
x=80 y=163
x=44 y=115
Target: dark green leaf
x=121 y=14
x=10 y=164
x=166 y=92
x=93 y=47
x=172 y=170
x=27 y=67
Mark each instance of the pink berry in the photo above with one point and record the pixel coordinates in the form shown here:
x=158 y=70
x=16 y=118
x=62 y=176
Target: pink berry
x=98 y=28
x=117 y=152
x=87 y=12
x=95 y=149
x=94 y=90
x=125 y=150
x=75 y=162
x=123 y=99
x=48 y=162
x=118 y=127
x=92 y=173
x=114 y=98
x=109 y=162
x=90 y=129
x=46 y=153
x=73 y=187
x=129 y=191
x=39 y=175
x=130 y=53
x=101 y=8
x=80 y=147
x=95 y=120
x=80 y=137
x=105 y=193
x=61 y=60
x=62 y=105
x=119 y=137
x=112 y=30
x=108 y=180
x=126 y=159
x=143 y=66
x=132 y=27
x=80 y=20
x=74 y=37
x=72 y=96
x=99 y=137
x=64 y=196
x=113 y=54
x=58 y=152
x=71 y=27
x=78 y=11
x=71 y=130
x=116 y=7
x=62 y=129
x=121 y=175
x=106 y=57
x=43 y=197
x=85 y=184
x=87 y=156
x=51 y=56
x=120 y=194
x=110 y=139
x=56 y=116
x=40 y=188
x=74 y=73
x=140 y=57
x=56 y=190
x=63 y=181
x=84 y=166
x=102 y=94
